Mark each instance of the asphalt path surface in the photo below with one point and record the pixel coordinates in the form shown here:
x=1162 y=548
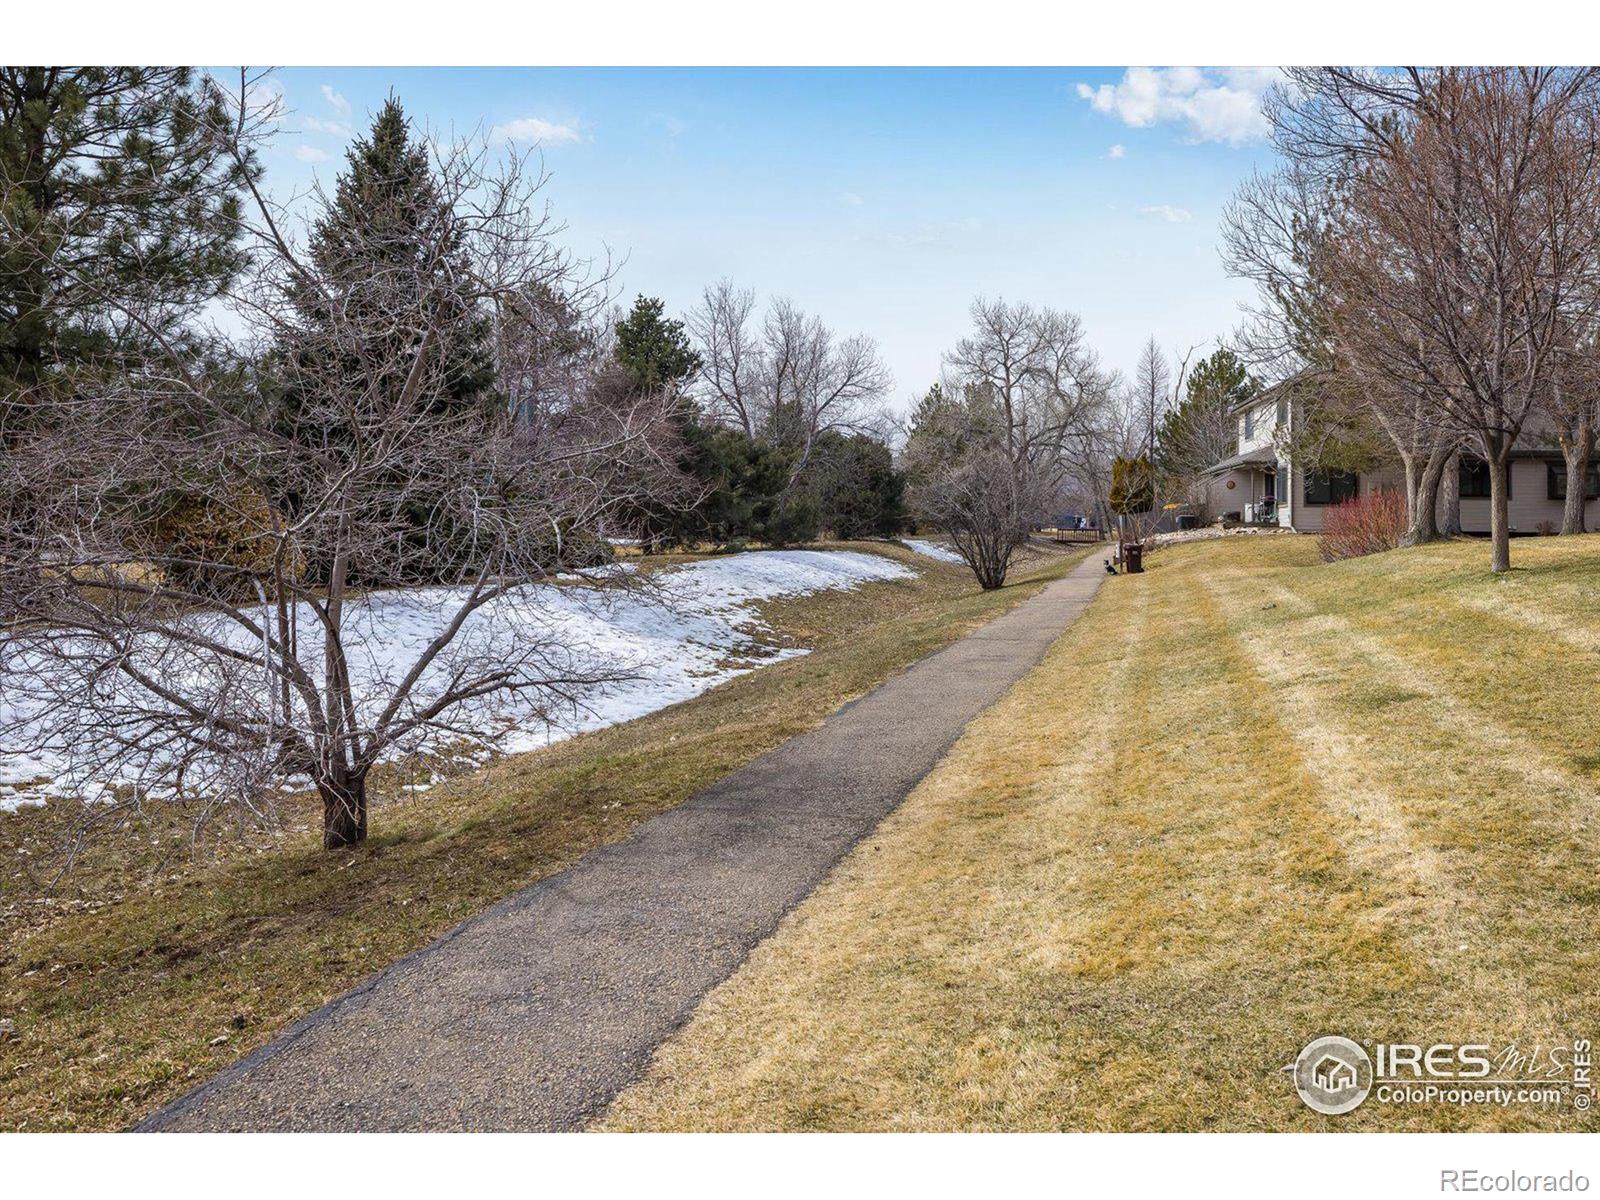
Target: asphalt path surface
x=536 y=1013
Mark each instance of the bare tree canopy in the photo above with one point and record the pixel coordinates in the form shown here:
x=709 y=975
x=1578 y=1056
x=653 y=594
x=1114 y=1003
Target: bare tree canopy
x=187 y=607
x=1021 y=413
x=1433 y=238
x=787 y=379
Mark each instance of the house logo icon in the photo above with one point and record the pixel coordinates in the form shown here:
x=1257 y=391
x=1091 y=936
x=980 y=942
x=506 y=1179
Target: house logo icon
x=1333 y=1075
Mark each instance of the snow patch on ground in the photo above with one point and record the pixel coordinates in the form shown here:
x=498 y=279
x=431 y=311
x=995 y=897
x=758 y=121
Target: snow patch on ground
x=695 y=628
x=934 y=550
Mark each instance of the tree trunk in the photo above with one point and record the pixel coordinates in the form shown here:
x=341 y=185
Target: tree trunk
x=1499 y=517
x=1450 y=521
x=344 y=813
x=1413 y=474
x=1422 y=499
x=1576 y=451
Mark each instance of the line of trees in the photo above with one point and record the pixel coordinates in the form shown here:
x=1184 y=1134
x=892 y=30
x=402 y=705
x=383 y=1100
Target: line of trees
x=227 y=422
x=780 y=423
x=1428 y=261
x=1027 y=424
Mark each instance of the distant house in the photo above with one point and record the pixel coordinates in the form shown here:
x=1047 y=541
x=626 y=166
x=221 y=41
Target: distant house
x=1258 y=485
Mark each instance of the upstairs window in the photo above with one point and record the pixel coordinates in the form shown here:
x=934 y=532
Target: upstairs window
x=1249 y=423
x=1558 y=482
x=1331 y=487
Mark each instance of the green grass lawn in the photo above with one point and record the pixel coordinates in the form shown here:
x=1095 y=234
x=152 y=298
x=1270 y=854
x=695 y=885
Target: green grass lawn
x=158 y=962
x=1248 y=800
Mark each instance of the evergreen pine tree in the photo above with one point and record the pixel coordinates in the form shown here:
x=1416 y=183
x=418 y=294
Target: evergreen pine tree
x=383 y=230
x=385 y=197
x=115 y=182
x=654 y=349
x=1200 y=431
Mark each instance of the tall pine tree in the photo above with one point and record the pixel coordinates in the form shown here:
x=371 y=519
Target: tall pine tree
x=1202 y=429
x=372 y=235
x=388 y=244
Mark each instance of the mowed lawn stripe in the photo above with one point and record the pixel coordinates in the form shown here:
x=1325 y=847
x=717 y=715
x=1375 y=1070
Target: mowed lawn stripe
x=1512 y=903
x=1384 y=759
x=1093 y=943
x=1207 y=829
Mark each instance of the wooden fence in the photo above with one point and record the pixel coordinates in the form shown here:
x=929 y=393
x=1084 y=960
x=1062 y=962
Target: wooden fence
x=1074 y=536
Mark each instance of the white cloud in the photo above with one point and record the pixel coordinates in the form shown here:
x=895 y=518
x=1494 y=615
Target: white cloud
x=339 y=103
x=1167 y=212
x=537 y=129
x=318 y=125
x=310 y=154
x=853 y=199
x=1213 y=105
x=1117 y=151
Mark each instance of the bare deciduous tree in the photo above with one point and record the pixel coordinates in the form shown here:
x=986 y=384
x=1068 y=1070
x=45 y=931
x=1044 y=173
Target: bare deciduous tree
x=731 y=382
x=1430 y=240
x=787 y=381
x=1152 y=392
x=208 y=598
x=1020 y=414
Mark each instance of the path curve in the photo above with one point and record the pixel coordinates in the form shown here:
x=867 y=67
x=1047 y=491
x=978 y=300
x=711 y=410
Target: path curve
x=536 y=1013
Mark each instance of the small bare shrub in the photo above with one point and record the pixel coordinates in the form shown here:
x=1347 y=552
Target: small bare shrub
x=1362 y=525
x=1546 y=529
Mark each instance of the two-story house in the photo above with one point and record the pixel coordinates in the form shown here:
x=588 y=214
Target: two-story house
x=1258 y=484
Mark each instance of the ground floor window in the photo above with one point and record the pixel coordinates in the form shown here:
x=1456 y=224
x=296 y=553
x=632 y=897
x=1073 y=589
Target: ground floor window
x=1475 y=479
x=1558 y=482
x=1330 y=487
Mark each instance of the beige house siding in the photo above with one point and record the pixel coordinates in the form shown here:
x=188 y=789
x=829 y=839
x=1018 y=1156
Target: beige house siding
x=1530 y=501
x=1262 y=420
x=1247 y=489
x=1529 y=505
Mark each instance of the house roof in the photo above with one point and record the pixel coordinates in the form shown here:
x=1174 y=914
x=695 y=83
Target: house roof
x=1261 y=456
x=1274 y=392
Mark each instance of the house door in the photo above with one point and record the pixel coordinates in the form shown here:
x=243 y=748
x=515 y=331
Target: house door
x=1269 y=486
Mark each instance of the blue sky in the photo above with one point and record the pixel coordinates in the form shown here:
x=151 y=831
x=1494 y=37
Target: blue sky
x=884 y=200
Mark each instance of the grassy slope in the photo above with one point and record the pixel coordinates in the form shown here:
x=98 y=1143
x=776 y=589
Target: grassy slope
x=1247 y=800
x=118 y=985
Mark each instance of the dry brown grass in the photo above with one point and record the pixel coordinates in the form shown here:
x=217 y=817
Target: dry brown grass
x=119 y=983
x=1247 y=800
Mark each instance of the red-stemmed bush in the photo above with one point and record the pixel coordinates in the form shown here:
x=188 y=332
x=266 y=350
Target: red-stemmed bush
x=1363 y=525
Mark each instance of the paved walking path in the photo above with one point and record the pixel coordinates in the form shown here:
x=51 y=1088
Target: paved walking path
x=536 y=1013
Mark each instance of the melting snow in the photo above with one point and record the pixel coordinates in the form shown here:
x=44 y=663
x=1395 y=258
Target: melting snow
x=934 y=550
x=697 y=628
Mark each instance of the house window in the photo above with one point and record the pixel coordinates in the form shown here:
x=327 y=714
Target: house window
x=1475 y=479
x=1558 y=482
x=1249 y=423
x=1330 y=487
x=1281 y=418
